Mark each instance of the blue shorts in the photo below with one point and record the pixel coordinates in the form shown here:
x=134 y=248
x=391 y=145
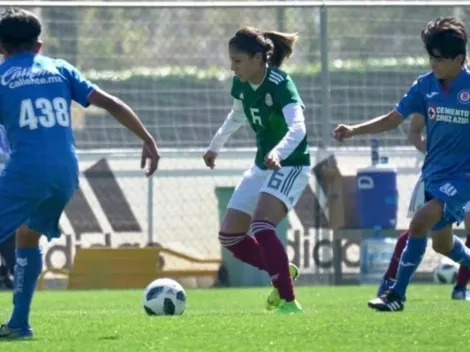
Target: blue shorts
x=454 y=194
x=35 y=201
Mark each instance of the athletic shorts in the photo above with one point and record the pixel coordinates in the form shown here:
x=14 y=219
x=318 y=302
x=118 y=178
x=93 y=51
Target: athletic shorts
x=286 y=184
x=37 y=202
x=454 y=194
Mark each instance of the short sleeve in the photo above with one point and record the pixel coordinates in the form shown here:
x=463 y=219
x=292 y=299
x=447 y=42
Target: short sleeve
x=286 y=93
x=81 y=88
x=412 y=102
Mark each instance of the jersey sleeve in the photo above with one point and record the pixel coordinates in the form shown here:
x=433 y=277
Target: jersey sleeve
x=412 y=102
x=235 y=119
x=81 y=88
x=286 y=93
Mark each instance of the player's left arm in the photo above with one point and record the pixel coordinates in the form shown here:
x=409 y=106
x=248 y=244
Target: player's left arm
x=288 y=99
x=85 y=93
x=128 y=118
x=295 y=120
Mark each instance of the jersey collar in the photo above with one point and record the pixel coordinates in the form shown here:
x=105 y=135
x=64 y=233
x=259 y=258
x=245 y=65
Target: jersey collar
x=20 y=55
x=464 y=73
x=256 y=86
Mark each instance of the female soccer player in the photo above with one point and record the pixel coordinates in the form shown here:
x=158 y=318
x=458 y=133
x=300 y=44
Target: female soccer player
x=459 y=292
x=268 y=99
x=42 y=172
x=442 y=97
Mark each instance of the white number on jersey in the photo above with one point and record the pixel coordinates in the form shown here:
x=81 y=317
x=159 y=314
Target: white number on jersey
x=255 y=117
x=52 y=113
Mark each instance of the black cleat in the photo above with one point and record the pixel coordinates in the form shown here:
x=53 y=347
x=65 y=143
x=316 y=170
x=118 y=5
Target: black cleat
x=390 y=301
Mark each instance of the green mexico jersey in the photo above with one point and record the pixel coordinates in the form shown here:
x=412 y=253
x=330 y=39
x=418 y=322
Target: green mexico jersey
x=263 y=109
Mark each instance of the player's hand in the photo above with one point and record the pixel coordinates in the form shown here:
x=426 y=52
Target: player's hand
x=209 y=158
x=342 y=132
x=272 y=161
x=150 y=153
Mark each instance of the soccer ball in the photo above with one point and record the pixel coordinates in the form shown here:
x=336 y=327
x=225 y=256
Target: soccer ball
x=445 y=273
x=164 y=297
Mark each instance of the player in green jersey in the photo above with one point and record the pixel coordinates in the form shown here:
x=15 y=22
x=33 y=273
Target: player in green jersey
x=267 y=99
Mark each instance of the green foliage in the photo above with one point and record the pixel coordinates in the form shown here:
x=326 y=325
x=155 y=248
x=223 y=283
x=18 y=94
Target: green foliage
x=195 y=74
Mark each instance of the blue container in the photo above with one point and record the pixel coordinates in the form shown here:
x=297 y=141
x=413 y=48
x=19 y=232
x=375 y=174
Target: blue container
x=376 y=197
x=376 y=253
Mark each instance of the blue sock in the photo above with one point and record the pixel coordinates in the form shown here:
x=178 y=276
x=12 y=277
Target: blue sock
x=27 y=270
x=460 y=253
x=409 y=261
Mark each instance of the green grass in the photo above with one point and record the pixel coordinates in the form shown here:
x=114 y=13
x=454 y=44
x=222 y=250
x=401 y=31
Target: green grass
x=336 y=319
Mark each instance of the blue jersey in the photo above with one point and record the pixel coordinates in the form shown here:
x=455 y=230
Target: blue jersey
x=36 y=93
x=447 y=121
x=41 y=176
x=4 y=144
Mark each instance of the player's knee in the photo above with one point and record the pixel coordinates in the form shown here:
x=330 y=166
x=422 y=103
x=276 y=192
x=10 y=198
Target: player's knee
x=442 y=247
x=228 y=240
x=442 y=240
x=426 y=218
x=270 y=208
x=235 y=221
x=417 y=228
x=27 y=238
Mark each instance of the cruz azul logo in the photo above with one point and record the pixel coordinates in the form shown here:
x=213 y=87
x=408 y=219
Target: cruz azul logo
x=464 y=96
x=449 y=115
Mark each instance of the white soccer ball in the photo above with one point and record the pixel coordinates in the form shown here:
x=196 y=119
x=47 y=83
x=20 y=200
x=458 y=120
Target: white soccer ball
x=164 y=297
x=446 y=273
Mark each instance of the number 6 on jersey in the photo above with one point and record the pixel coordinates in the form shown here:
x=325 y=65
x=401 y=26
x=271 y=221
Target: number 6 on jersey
x=52 y=113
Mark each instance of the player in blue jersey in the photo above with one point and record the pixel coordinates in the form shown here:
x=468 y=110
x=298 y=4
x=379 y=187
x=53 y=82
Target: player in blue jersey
x=42 y=174
x=459 y=291
x=7 y=248
x=443 y=97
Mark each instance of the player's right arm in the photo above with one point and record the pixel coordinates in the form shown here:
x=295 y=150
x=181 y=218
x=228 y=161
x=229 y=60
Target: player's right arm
x=235 y=119
x=412 y=102
x=415 y=133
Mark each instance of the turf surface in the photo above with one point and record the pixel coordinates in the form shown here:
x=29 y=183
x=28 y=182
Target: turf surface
x=336 y=319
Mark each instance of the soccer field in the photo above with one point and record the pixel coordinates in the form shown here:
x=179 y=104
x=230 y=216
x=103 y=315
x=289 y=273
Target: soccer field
x=335 y=319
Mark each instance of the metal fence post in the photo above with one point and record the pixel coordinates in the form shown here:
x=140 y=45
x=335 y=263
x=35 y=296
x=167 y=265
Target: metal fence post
x=325 y=78
x=151 y=240
x=325 y=115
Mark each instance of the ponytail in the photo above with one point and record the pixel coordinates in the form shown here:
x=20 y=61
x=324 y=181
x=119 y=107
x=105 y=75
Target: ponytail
x=283 y=46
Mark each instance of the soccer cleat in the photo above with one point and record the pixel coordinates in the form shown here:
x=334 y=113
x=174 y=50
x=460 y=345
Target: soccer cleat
x=289 y=307
x=7 y=333
x=388 y=302
x=460 y=294
x=274 y=299
x=385 y=285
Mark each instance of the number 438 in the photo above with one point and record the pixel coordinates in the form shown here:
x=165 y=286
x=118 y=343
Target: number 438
x=52 y=112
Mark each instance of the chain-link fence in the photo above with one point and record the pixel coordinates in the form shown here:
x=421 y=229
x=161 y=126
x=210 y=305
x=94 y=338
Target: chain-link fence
x=171 y=64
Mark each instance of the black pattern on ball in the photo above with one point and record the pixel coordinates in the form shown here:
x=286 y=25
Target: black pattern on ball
x=154 y=292
x=149 y=311
x=168 y=306
x=441 y=278
x=180 y=296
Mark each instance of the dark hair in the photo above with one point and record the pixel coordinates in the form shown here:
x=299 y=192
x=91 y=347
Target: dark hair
x=276 y=47
x=447 y=35
x=19 y=29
